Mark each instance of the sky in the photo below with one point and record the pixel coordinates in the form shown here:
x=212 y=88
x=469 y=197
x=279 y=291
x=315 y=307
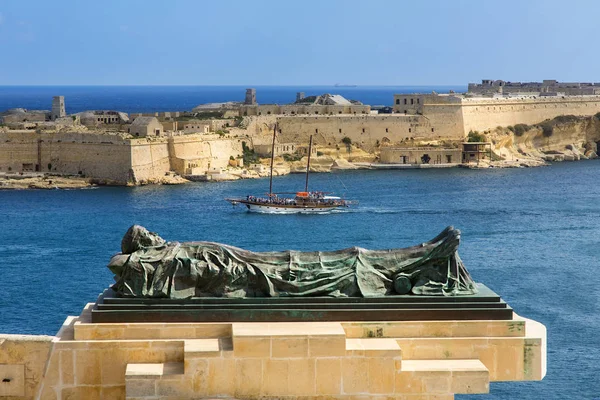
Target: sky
x=308 y=42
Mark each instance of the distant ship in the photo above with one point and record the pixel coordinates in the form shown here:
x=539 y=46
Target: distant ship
x=303 y=203
x=341 y=85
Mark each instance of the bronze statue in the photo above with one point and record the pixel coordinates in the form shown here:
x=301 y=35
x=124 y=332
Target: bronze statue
x=150 y=267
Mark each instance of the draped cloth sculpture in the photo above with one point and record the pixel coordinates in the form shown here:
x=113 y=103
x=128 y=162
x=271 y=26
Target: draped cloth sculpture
x=149 y=267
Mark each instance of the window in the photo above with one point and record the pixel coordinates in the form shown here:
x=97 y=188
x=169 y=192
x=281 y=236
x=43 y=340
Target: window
x=448 y=159
x=340 y=130
x=432 y=130
x=405 y=102
x=412 y=101
x=386 y=130
x=409 y=130
x=397 y=101
x=418 y=101
x=363 y=130
x=316 y=131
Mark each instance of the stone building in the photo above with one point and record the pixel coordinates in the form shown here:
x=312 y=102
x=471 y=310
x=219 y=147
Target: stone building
x=250 y=97
x=58 y=108
x=420 y=155
x=146 y=126
x=196 y=126
x=264 y=150
x=489 y=87
x=19 y=115
x=94 y=118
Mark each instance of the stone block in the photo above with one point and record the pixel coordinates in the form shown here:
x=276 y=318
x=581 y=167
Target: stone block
x=328 y=376
x=140 y=387
x=113 y=392
x=327 y=346
x=88 y=367
x=12 y=380
x=174 y=386
x=382 y=374
x=201 y=348
x=66 y=367
x=199 y=375
x=407 y=383
x=81 y=392
x=355 y=376
x=289 y=347
x=221 y=376
x=252 y=346
x=467 y=382
x=301 y=380
x=248 y=377
x=275 y=377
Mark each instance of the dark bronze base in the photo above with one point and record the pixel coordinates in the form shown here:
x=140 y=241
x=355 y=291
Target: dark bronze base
x=486 y=305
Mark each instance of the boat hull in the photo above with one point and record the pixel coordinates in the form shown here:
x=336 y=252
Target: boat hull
x=266 y=208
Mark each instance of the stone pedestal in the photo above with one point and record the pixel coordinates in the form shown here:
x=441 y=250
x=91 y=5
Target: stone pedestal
x=286 y=360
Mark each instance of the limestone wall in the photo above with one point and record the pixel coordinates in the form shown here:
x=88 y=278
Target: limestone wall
x=364 y=130
x=93 y=155
x=481 y=114
x=149 y=159
x=22 y=362
x=206 y=152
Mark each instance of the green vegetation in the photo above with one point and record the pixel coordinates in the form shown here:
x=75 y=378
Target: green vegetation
x=475 y=136
x=249 y=156
x=564 y=119
x=547 y=128
x=520 y=129
x=319 y=153
x=347 y=141
x=292 y=157
x=597 y=116
x=309 y=99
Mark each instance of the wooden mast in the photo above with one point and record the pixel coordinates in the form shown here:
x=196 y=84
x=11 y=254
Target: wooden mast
x=308 y=163
x=272 y=159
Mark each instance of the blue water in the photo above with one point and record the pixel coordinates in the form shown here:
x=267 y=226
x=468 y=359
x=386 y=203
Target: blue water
x=532 y=235
x=178 y=98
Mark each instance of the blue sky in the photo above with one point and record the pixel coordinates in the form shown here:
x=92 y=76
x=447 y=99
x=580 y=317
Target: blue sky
x=263 y=42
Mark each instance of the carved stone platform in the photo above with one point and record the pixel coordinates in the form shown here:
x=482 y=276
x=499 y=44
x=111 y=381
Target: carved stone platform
x=486 y=305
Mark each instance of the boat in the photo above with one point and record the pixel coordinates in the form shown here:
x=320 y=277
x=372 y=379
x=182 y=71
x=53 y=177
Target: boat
x=305 y=202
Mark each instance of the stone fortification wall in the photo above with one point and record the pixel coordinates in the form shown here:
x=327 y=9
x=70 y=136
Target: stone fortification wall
x=486 y=113
x=93 y=155
x=364 y=130
x=149 y=159
x=292 y=109
x=202 y=153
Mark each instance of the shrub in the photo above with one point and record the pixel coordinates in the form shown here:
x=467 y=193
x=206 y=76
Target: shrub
x=597 y=115
x=319 y=153
x=475 y=136
x=346 y=140
x=547 y=128
x=520 y=129
x=562 y=119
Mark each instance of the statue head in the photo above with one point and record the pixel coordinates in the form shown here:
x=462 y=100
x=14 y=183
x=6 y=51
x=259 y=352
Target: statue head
x=138 y=237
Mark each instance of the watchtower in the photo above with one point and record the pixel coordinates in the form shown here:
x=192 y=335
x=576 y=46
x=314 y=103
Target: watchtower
x=58 y=107
x=300 y=96
x=250 y=97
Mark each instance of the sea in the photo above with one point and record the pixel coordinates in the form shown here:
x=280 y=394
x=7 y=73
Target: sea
x=531 y=235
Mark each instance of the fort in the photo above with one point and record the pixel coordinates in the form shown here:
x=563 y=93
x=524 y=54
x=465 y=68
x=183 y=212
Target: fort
x=147 y=148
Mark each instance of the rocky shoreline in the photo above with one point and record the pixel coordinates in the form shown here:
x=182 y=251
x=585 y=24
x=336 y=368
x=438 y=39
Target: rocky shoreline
x=318 y=165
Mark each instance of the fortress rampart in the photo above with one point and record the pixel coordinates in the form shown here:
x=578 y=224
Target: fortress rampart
x=365 y=129
x=110 y=157
x=487 y=113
